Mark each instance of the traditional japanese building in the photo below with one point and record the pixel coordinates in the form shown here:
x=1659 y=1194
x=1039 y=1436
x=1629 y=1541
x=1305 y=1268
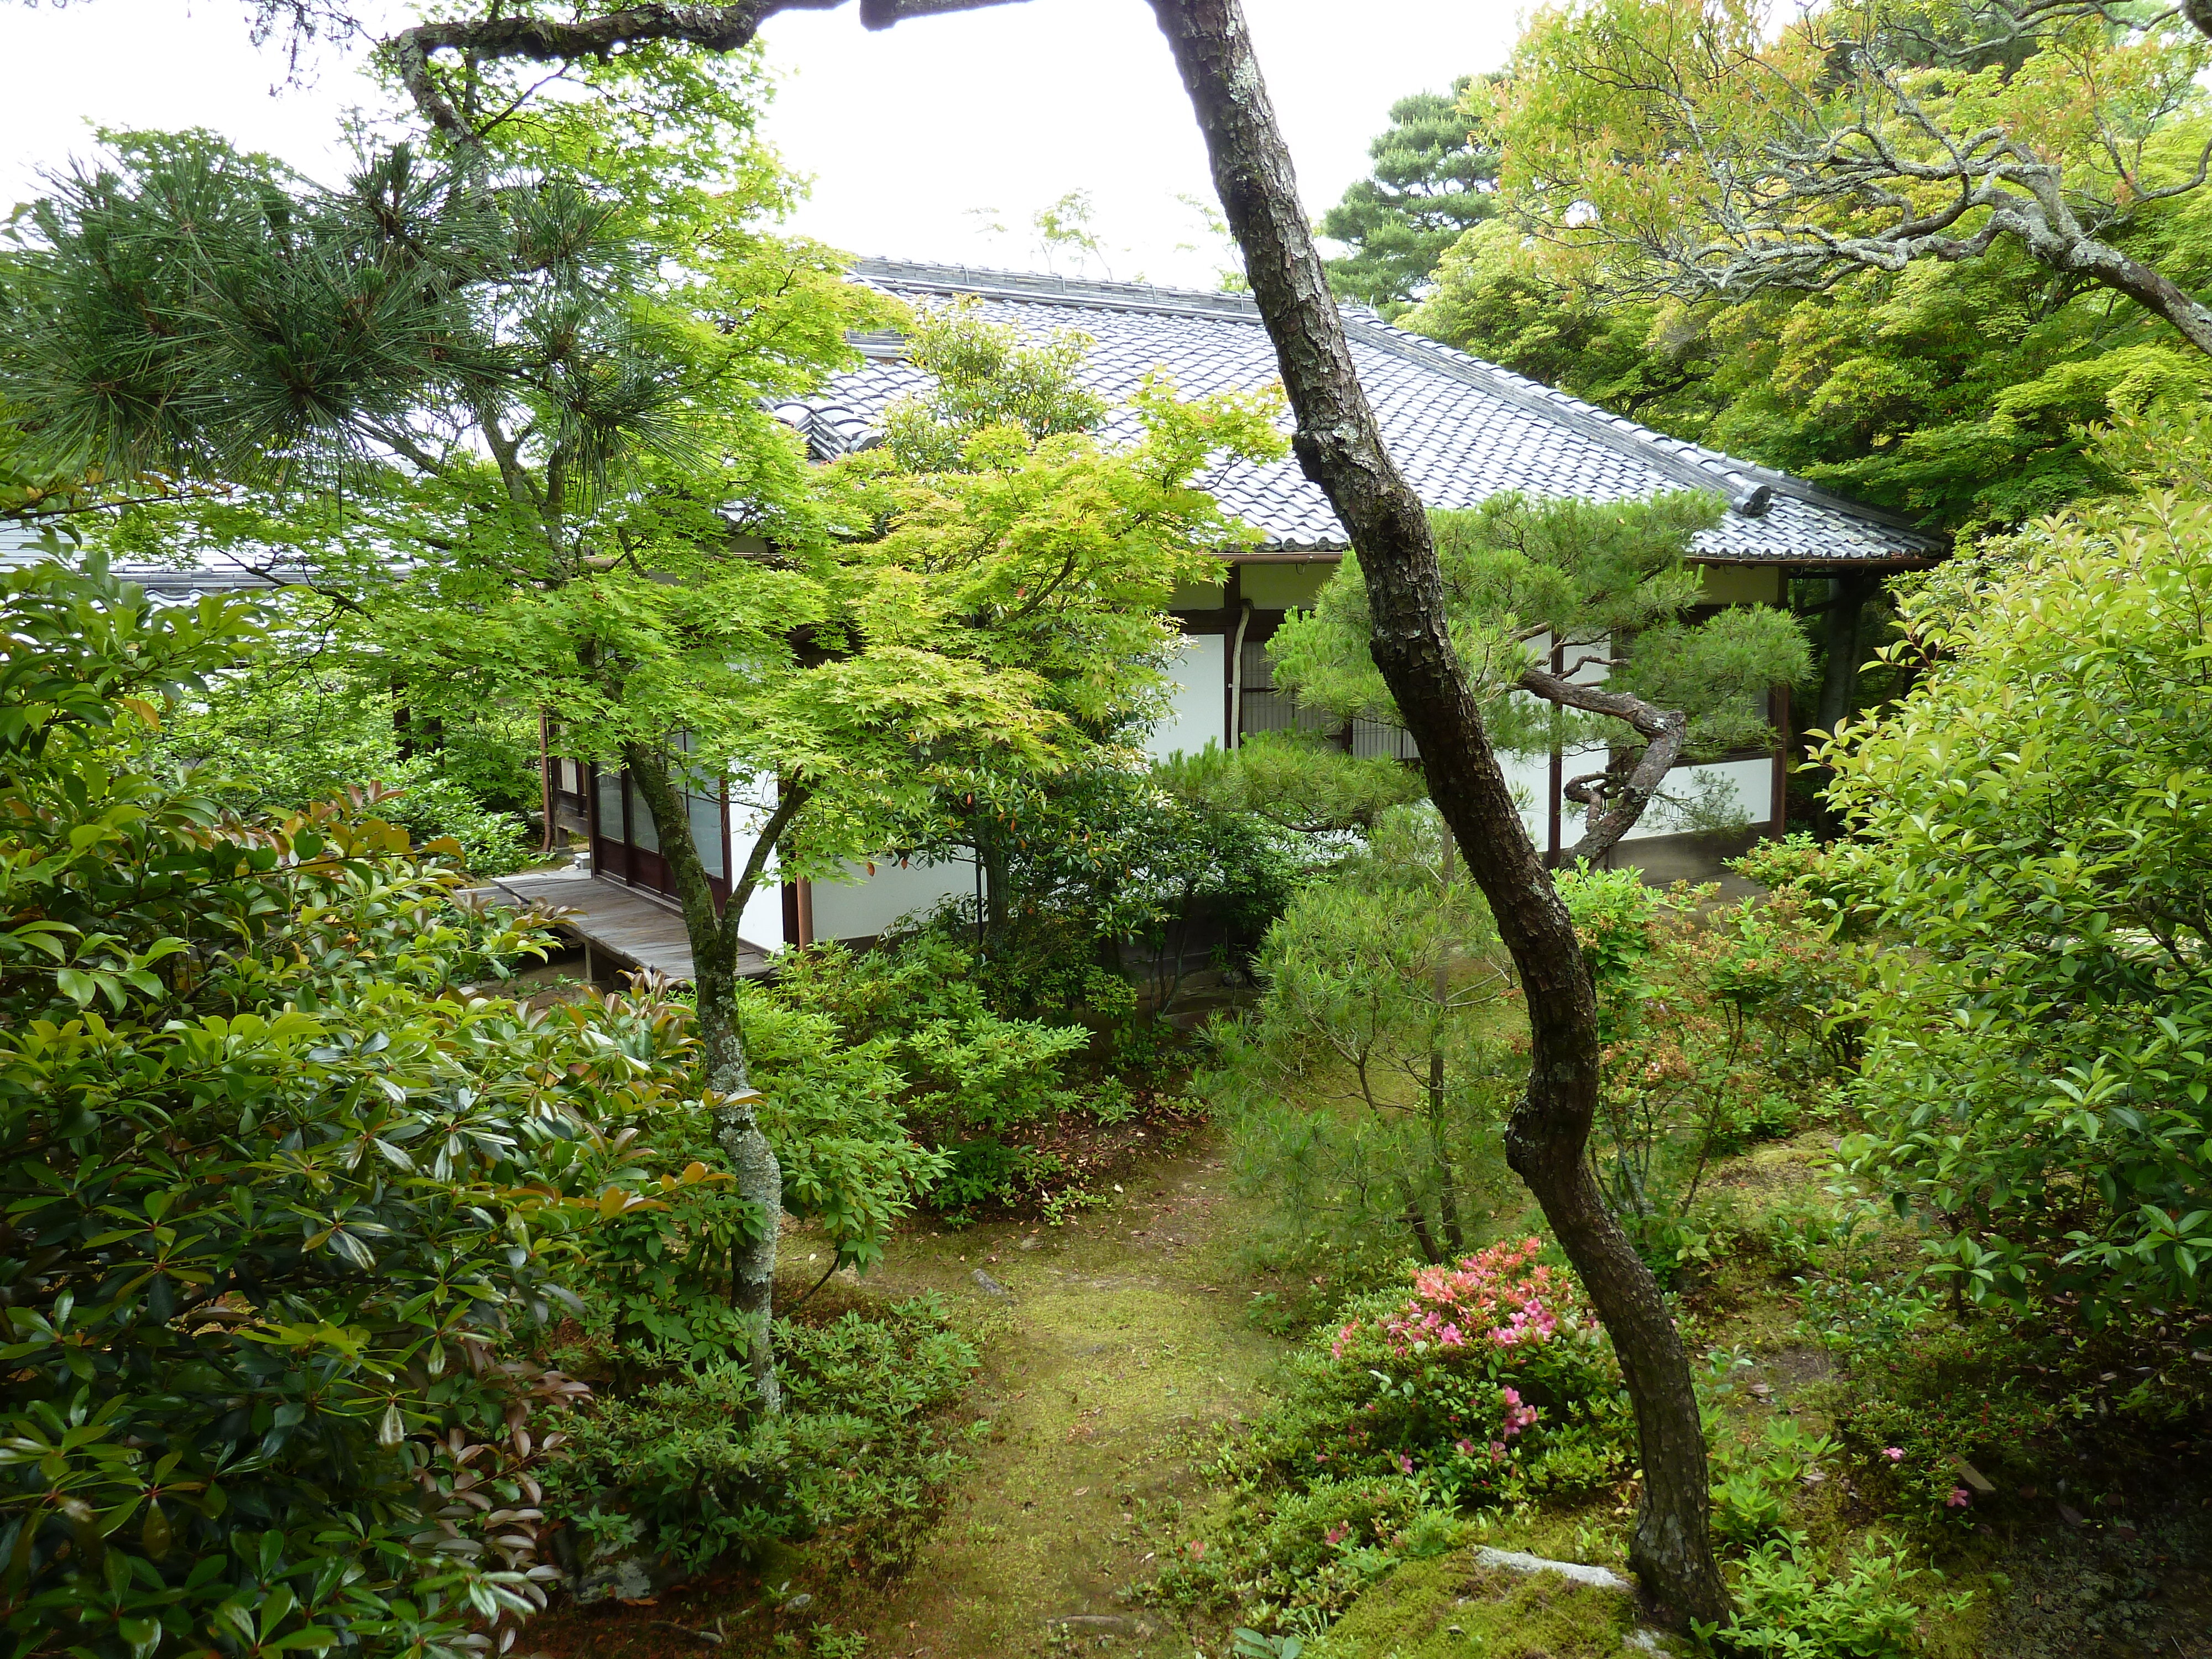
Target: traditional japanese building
x=1460 y=429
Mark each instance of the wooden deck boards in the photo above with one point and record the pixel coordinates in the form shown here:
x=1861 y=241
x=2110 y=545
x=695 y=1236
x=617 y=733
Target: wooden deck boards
x=617 y=927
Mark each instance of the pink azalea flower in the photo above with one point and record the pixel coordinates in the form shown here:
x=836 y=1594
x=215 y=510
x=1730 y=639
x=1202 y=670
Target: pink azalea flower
x=1337 y=1533
x=1464 y=1448
x=1959 y=1499
x=1894 y=1454
x=1405 y=1464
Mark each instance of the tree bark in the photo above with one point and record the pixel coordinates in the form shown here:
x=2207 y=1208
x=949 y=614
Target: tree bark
x=1664 y=731
x=412 y=52
x=1439 y=1133
x=713 y=937
x=1341 y=448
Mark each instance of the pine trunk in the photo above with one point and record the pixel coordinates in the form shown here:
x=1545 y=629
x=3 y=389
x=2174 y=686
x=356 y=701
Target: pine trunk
x=1341 y=448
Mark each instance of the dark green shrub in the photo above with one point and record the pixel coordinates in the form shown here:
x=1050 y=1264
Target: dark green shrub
x=1788 y=1609
x=1302 y=1556
x=1721 y=1030
x=987 y=1170
x=2035 y=817
x=918 y=999
x=685 y=1469
x=282 y=1209
x=286 y=729
x=287 y=1213
x=1925 y=1397
x=914 y=1014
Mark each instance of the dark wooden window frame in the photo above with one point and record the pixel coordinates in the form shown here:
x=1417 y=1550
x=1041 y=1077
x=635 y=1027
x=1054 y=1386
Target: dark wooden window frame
x=619 y=858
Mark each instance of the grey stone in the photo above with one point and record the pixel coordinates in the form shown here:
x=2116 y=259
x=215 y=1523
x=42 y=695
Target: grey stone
x=1100 y=1623
x=626 y=1578
x=989 y=1285
x=1636 y=1641
x=1515 y=1561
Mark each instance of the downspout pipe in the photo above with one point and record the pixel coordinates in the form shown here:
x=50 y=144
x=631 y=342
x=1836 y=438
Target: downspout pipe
x=1236 y=679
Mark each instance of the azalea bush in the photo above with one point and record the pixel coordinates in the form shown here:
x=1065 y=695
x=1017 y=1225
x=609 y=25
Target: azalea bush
x=1722 y=1025
x=1489 y=1377
x=1462 y=1387
x=832 y=1111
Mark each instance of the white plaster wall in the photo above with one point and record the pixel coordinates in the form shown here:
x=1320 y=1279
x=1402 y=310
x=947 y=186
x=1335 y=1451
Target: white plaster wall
x=1529 y=777
x=760 y=924
x=868 y=904
x=1198 y=713
x=871 y=898
x=1286 y=587
x=752 y=799
x=1753 y=780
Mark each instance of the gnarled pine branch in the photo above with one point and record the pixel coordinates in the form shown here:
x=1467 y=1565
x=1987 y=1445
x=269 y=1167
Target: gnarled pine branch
x=1664 y=731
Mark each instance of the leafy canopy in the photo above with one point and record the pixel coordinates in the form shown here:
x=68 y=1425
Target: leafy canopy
x=1009 y=534
x=1956 y=392
x=1714 y=288
x=1691 y=147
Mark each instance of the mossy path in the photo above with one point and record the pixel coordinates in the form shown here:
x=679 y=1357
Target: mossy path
x=1120 y=1350
x=1117 y=1346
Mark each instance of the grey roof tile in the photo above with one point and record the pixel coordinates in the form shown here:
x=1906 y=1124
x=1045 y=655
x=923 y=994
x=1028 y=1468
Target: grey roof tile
x=1460 y=429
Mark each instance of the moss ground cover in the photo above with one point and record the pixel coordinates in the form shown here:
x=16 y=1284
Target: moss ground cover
x=1116 y=1356
x=1128 y=1349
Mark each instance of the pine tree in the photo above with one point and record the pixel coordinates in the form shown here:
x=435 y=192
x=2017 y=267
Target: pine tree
x=1433 y=178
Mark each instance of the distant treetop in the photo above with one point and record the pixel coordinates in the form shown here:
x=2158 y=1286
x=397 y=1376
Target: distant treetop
x=1431 y=179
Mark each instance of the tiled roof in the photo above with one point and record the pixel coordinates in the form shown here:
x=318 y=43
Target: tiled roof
x=162 y=581
x=1460 y=428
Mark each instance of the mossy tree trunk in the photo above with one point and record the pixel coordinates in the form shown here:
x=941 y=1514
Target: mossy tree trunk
x=715 y=947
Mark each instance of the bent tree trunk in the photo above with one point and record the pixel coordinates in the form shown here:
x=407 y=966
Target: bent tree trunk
x=1341 y=450
x=714 y=939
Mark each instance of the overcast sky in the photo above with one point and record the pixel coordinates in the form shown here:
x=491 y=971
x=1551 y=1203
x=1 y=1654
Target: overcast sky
x=906 y=134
